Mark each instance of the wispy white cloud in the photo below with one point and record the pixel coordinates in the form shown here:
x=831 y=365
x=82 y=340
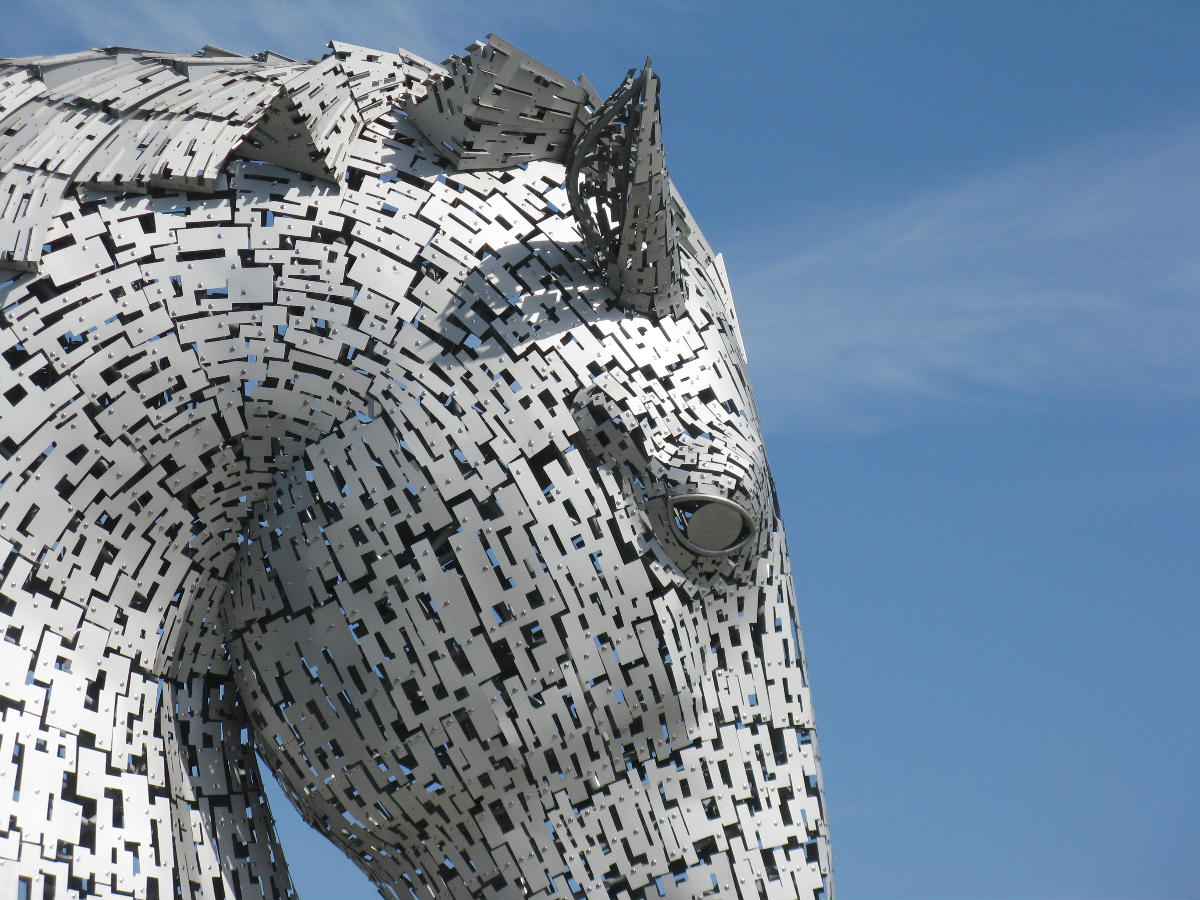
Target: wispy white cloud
x=1074 y=278
x=297 y=28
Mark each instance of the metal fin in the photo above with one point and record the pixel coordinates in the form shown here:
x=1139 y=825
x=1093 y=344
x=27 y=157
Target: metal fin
x=500 y=107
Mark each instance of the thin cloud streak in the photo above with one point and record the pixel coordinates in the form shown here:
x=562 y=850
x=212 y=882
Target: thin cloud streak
x=1070 y=277
x=297 y=28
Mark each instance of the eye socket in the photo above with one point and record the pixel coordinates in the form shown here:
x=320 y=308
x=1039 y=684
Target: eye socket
x=710 y=525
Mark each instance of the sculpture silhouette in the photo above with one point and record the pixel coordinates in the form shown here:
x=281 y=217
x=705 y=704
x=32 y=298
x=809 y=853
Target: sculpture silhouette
x=389 y=420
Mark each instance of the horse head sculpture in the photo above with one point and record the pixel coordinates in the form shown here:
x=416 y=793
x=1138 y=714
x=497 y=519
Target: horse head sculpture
x=389 y=420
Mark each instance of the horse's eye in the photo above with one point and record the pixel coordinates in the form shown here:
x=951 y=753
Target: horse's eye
x=710 y=525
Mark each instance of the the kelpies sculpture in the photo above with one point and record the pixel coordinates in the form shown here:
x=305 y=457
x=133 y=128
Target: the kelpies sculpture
x=390 y=421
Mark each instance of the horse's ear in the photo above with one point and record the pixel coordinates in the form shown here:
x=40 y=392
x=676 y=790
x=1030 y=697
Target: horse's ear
x=621 y=195
x=498 y=107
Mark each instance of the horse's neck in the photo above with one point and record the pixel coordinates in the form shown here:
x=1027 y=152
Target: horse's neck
x=122 y=510
x=124 y=775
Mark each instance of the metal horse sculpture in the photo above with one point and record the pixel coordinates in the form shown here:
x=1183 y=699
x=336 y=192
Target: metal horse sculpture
x=390 y=421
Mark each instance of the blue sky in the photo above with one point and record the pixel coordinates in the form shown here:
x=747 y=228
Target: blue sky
x=963 y=241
